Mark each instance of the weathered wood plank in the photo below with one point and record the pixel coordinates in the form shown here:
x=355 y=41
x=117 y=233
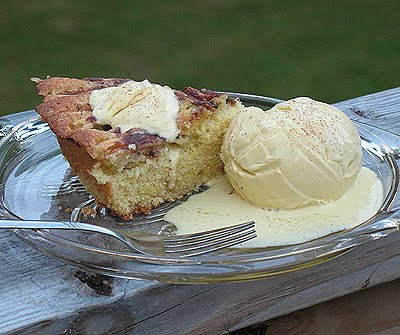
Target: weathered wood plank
x=237 y=305
x=39 y=295
x=374 y=311
x=380 y=109
x=35 y=288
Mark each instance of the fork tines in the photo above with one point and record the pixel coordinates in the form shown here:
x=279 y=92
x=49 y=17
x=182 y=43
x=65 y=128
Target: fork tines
x=205 y=242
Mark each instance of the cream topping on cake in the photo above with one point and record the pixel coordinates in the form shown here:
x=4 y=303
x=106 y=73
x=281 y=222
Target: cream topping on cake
x=133 y=104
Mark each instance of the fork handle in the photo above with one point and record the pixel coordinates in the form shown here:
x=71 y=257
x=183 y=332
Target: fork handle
x=65 y=225
x=69 y=225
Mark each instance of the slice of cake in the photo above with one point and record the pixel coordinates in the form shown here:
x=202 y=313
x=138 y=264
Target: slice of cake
x=135 y=145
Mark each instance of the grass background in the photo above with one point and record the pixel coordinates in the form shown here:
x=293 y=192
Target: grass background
x=331 y=50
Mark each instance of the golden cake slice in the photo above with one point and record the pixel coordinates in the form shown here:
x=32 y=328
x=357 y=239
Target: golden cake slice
x=135 y=145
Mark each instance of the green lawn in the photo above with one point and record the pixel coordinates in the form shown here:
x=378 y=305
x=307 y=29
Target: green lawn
x=327 y=50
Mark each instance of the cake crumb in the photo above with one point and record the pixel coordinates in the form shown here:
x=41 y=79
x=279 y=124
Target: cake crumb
x=88 y=211
x=149 y=162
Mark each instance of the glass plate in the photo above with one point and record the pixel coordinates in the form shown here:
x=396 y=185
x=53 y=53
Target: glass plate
x=37 y=183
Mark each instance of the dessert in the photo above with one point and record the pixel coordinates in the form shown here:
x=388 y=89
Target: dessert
x=295 y=170
x=135 y=145
x=300 y=152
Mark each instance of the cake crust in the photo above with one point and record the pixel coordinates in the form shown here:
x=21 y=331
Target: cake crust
x=67 y=110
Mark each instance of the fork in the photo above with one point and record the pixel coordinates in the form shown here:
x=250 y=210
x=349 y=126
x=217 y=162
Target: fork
x=151 y=244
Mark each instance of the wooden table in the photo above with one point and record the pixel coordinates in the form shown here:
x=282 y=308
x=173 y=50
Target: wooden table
x=40 y=295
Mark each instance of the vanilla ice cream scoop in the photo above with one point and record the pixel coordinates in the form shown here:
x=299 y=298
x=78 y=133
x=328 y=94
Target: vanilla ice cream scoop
x=300 y=152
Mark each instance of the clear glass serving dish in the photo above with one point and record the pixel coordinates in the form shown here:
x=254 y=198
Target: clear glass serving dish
x=37 y=183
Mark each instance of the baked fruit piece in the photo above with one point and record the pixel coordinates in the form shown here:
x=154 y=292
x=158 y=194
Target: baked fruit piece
x=128 y=165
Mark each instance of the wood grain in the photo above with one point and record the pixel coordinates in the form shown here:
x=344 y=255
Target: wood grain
x=40 y=295
x=373 y=311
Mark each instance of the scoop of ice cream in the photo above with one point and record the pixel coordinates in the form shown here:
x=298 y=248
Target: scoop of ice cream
x=298 y=153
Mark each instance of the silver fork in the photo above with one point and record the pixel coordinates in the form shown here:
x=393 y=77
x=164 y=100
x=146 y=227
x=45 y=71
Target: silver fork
x=151 y=244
